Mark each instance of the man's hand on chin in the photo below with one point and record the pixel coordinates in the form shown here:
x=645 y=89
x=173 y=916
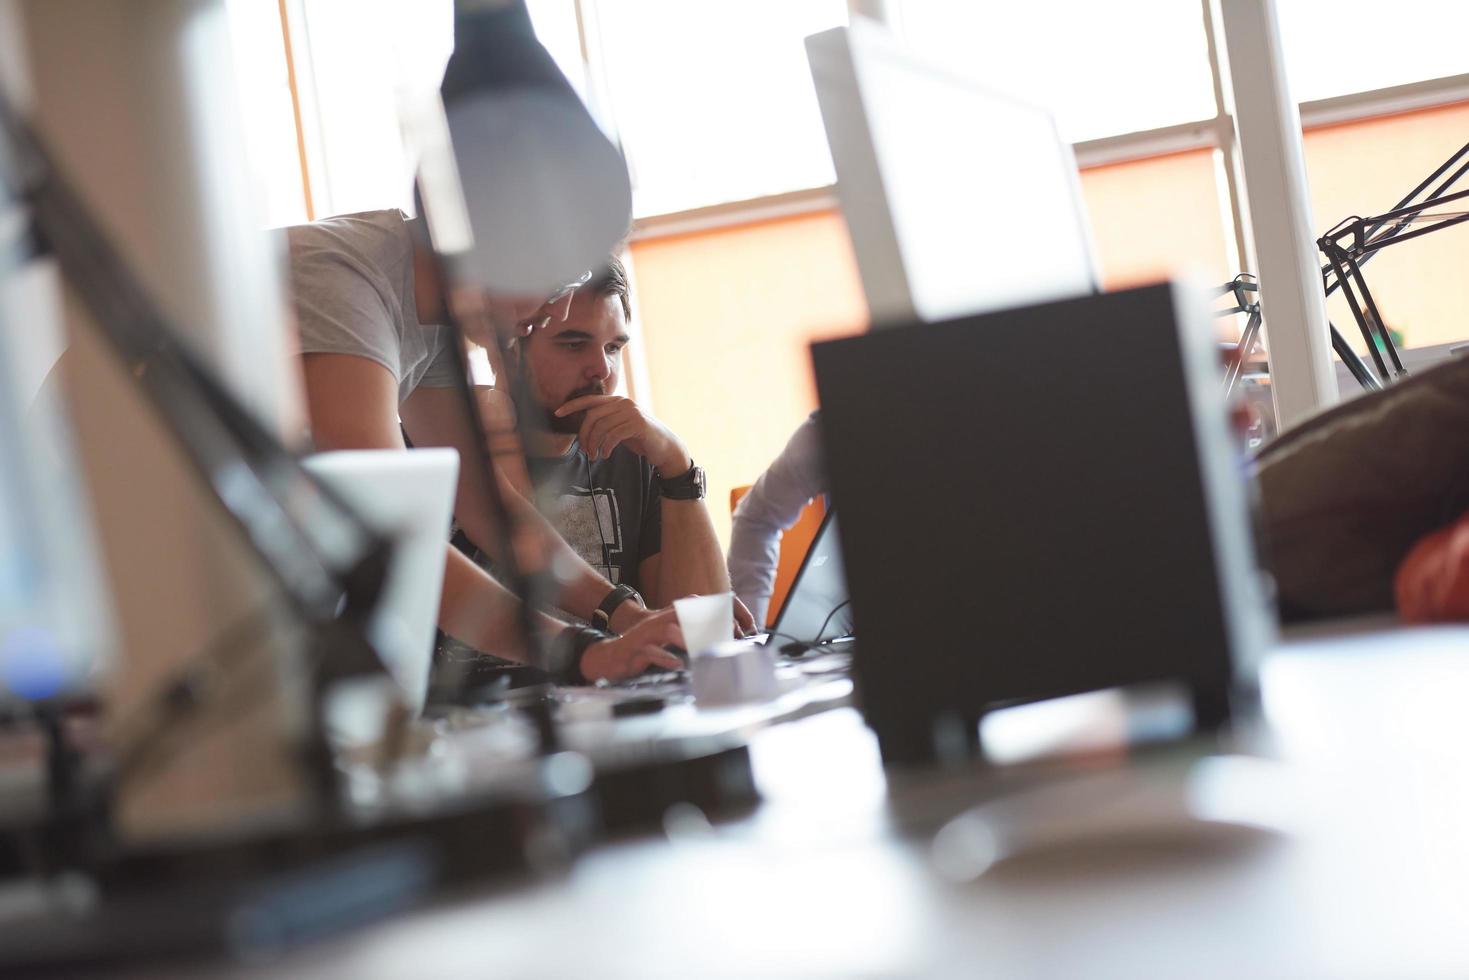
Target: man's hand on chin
x=612 y=420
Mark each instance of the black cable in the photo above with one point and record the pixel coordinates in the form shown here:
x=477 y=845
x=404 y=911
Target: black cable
x=596 y=514
x=827 y=621
x=812 y=644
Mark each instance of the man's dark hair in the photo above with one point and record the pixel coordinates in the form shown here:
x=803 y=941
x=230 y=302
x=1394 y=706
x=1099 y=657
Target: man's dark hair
x=611 y=280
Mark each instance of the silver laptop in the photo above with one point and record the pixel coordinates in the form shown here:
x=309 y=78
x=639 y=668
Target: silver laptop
x=816 y=609
x=409 y=495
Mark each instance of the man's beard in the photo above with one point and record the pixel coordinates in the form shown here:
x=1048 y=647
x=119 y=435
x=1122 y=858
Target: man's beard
x=530 y=409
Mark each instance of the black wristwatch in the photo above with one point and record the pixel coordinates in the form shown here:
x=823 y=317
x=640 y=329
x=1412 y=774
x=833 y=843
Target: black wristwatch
x=689 y=485
x=602 y=615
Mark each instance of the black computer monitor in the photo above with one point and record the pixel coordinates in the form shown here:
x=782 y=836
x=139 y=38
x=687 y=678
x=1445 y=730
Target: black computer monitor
x=1037 y=502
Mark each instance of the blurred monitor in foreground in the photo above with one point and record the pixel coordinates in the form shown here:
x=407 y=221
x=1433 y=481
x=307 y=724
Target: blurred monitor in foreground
x=959 y=200
x=54 y=620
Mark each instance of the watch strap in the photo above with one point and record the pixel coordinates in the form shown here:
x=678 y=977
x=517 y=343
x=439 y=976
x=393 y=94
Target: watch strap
x=602 y=615
x=688 y=485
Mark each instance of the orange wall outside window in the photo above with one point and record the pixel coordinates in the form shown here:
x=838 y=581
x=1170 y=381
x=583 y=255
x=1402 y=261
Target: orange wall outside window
x=1154 y=218
x=727 y=318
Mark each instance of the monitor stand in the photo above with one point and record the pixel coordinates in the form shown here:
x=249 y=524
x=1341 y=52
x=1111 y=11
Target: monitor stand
x=950 y=738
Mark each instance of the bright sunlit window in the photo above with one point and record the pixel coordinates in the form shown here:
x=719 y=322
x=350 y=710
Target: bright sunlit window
x=556 y=29
x=267 y=117
x=714 y=101
x=1336 y=47
x=363 y=56
x=1101 y=68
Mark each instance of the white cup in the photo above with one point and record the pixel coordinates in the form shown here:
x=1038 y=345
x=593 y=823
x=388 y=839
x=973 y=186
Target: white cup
x=706 y=621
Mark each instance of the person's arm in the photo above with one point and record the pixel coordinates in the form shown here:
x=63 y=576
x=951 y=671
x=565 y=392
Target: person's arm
x=689 y=561
x=763 y=514
x=352 y=402
x=435 y=417
x=1431 y=584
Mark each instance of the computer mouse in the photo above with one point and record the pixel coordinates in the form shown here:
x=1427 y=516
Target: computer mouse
x=795 y=649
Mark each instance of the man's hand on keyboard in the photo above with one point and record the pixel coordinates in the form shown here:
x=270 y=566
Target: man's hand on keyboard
x=636 y=650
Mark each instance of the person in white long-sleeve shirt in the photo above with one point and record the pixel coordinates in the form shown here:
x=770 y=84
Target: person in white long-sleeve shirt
x=773 y=504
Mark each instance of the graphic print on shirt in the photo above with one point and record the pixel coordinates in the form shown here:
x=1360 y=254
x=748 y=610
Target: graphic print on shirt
x=589 y=521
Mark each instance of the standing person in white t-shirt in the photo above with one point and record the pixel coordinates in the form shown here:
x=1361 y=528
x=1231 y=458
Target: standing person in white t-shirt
x=368 y=305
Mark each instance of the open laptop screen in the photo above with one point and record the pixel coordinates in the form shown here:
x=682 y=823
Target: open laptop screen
x=816 y=608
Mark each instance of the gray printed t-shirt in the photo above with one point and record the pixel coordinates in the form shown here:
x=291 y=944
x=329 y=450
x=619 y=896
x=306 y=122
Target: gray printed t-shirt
x=352 y=283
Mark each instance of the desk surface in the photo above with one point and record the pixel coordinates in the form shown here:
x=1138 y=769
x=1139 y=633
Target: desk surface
x=839 y=872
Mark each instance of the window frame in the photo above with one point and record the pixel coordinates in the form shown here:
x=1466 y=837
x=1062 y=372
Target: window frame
x=1217 y=133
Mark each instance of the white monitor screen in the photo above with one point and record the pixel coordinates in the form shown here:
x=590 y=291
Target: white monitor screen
x=959 y=199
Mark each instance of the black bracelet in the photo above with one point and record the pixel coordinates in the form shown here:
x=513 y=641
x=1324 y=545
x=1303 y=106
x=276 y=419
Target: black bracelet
x=564 y=653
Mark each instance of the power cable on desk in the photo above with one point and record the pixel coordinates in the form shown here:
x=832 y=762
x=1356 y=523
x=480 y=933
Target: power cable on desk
x=827 y=621
x=808 y=645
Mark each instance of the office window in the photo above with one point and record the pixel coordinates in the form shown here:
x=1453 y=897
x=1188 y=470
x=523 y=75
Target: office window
x=355 y=59
x=1155 y=218
x=1335 y=47
x=714 y=101
x=556 y=29
x=1102 y=68
x=266 y=114
x=1365 y=168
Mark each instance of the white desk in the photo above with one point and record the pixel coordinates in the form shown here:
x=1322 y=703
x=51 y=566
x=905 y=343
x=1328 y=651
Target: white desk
x=1372 y=880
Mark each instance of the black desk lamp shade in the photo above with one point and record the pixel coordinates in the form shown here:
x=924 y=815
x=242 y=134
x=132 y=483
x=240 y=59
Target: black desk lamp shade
x=547 y=193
